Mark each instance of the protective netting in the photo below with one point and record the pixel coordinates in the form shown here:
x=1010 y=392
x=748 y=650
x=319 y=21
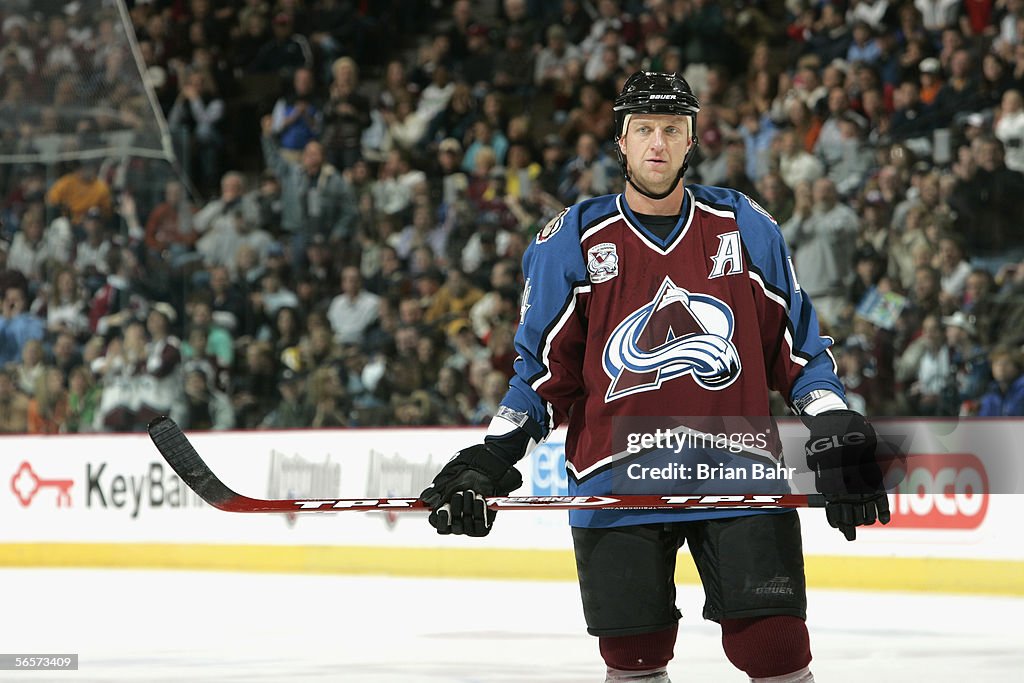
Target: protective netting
x=73 y=85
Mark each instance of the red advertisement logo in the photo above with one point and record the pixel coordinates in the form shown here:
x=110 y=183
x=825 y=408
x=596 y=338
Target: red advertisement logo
x=941 y=491
x=26 y=484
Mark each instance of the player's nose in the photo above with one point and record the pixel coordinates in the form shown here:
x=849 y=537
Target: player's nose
x=658 y=139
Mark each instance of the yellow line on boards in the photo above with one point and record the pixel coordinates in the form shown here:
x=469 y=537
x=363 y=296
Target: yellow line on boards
x=994 y=577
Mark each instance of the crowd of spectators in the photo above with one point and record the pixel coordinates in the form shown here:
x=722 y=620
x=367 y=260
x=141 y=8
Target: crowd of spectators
x=363 y=180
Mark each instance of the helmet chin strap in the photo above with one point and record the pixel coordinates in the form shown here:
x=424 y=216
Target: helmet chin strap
x=660 y=195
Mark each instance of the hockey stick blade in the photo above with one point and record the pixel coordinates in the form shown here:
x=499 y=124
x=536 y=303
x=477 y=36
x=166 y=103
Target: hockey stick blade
x=183 y=458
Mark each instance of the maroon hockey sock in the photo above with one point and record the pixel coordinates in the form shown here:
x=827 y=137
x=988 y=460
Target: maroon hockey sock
x=646 y=651
x=767 y=646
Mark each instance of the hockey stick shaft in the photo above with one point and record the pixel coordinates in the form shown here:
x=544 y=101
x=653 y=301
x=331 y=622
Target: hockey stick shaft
x=183 y=458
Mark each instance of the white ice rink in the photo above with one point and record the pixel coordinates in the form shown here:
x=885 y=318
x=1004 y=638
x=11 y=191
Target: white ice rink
x=207 y=626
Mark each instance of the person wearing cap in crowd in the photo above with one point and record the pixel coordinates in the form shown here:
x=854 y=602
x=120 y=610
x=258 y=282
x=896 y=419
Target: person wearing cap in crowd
x=1005 y=396
x=91 y=252
x=478 y=67
x=553 y=59
x=285 y=51
x=930 y=77
x=449 y=182
x=292 y=411
x=967 y=362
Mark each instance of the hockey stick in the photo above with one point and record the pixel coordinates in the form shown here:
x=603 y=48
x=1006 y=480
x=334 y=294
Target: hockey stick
x=183 y=458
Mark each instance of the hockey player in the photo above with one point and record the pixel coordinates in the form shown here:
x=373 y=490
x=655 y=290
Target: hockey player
x=711 y=264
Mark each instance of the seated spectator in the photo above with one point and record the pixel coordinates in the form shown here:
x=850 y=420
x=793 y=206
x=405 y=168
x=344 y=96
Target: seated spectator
x=454 y=299
x=594 y=115
x=160 y=385
x=953 y=269
x=64 y=353
x=550 y=65
x=1009 y=129
x=83 y=400
x=220 y=245
x=31 y=367
x=967 y=361
x=297 y=119
x=13 y=405
x=796 y=164
x=119 y=299
x=223 y=211
x=206 y=407
x=590 y=173
x=169 y=225
x=17 y=325
x=219 y=342
x=352 y=312
x=396 y=183
x=284 y=333
x=1005 y=397
x=271 y=296
x=292 y=411
x=254 y=385
x=118 y=370
x=92 y=252
x=328 y=399
x=30 y=252
x=285 y=51
x=81 y=190
x=926 y=371
x=48 y=409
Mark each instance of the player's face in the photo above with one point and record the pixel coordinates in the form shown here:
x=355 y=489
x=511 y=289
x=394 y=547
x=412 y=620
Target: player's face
x=654 y=146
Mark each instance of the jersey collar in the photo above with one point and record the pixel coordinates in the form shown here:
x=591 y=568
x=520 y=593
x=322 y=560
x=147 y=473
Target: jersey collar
x=662 y=246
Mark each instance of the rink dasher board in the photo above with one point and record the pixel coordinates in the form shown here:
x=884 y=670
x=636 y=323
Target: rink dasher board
x=92 y=499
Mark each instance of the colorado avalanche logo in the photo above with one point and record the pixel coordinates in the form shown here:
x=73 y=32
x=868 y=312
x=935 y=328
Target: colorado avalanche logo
x=678 y=333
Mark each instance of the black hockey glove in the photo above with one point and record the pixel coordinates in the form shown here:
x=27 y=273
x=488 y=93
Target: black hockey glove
x=842 y=454
x=456 y=496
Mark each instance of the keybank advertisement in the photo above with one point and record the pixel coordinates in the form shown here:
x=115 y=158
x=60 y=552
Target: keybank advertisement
x=117 y=488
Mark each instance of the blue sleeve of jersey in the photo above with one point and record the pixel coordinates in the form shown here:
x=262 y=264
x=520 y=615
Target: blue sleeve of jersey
x=550 y=340
x=804 y=355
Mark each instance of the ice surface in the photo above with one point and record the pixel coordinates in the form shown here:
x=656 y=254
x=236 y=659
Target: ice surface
x=207 y=626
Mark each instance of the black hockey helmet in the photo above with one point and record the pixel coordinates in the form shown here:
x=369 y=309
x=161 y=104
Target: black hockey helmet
x=652 y=92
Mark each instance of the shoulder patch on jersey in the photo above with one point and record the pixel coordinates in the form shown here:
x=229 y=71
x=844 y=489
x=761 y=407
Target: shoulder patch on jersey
x=553 y=226
x=602 y=262
x=757 y=207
